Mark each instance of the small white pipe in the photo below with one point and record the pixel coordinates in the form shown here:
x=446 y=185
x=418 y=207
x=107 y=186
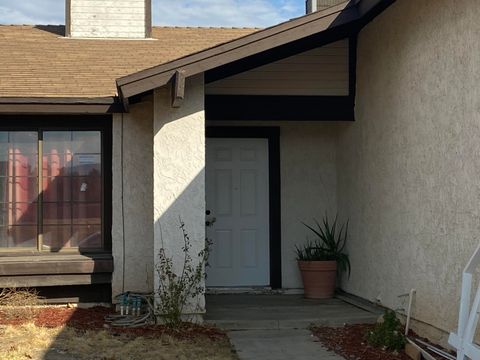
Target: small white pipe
x=425 y=354
x=409 y=311
x=436 y=350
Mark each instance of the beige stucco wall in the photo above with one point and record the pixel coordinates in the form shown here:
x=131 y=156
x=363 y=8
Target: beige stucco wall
x=132 y=209
x=409 y=167
x=308 y=186
x=308 y=183
x=179 y=173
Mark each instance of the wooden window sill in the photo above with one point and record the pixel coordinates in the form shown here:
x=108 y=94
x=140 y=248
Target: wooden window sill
x=55 y=270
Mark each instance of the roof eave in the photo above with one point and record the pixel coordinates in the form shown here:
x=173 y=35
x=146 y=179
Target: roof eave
x=355 y=13
x=60 y=105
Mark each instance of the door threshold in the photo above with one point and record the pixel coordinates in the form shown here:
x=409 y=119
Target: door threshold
x=242 y=290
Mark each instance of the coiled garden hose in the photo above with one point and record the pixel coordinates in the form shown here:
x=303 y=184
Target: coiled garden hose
x=136 y=310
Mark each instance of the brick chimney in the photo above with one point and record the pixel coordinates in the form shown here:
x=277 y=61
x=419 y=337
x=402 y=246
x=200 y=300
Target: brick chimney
x=108 y=19
x=316 y=5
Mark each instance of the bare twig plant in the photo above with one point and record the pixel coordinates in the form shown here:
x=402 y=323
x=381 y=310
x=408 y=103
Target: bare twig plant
x=176 y=290
x=16 y=303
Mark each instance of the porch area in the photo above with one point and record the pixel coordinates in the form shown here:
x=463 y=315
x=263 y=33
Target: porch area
x=278 y=311
x=277 y=326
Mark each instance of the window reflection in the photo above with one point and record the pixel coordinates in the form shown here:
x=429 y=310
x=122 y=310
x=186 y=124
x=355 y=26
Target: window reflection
x=72 y=190
x=18 y=189
x=69 y=214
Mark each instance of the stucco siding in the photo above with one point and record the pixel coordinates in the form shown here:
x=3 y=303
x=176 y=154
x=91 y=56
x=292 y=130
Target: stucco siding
x=408 y=168
x=322 y=71
x=308 y=187
x=179 y=174
x=132 y=227
x=108 y=19
x=308 y=183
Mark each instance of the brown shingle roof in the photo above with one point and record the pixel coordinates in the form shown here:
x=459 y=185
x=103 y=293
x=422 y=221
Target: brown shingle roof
x=36 y=61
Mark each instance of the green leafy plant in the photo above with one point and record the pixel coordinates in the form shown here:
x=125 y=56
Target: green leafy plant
x=388 y=334
x=177 y=290
x=329 y=244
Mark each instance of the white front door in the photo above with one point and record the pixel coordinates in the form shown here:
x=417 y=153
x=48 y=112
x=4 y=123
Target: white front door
x=237 y=194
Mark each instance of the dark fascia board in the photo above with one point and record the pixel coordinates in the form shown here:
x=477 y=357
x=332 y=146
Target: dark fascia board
x=39 y=105
x=276 y=108
x=352 y=14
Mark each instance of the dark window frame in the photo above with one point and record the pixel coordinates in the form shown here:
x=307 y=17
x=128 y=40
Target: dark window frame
x=102 y=123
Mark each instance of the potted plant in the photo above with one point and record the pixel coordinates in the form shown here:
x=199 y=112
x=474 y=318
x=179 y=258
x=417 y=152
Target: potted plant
x=320 y=260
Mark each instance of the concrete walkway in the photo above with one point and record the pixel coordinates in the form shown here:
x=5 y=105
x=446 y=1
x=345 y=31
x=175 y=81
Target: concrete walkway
x=287 y=344
x=276 y=326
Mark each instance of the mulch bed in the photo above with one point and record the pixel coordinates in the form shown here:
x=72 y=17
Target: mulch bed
x=93 y=319
x=349 y=341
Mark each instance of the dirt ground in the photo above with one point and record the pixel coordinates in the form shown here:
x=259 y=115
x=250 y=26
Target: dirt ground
x=68 y=334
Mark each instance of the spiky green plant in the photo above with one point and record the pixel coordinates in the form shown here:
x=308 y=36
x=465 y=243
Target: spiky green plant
x=329 y=244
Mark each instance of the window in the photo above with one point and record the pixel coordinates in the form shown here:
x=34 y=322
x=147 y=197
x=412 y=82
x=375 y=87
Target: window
x=51 y=190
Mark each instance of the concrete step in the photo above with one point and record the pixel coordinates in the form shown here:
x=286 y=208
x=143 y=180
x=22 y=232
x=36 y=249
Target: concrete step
x=274 y=324
x=277 y=312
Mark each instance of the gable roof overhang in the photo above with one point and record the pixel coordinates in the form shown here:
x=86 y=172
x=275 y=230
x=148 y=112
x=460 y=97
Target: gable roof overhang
x=268 y=45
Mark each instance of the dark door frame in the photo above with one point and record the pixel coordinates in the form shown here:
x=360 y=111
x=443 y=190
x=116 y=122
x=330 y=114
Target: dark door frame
x=272 y=134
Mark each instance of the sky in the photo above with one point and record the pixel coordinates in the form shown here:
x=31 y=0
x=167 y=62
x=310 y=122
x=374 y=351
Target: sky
x=236 y=13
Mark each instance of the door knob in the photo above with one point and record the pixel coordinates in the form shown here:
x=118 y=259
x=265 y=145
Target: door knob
x=209 y=219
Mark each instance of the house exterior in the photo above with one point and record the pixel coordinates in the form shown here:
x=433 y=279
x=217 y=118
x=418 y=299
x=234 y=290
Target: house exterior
x=113 y=130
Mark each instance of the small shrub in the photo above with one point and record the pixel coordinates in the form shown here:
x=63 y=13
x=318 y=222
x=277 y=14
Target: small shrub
x=19 y=303
x=387 y=335
x=177 y=290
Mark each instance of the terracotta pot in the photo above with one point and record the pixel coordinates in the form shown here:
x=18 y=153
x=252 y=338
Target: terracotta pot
x=319 y=278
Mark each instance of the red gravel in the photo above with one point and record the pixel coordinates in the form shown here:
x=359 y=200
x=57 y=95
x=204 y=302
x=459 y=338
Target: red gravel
x=93 y=319
x=84 y=319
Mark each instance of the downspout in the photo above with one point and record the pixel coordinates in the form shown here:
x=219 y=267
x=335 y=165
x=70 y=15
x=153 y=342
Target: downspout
x=122 y=164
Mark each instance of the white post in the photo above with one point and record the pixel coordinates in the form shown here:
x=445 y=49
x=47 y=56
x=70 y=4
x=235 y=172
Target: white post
x=463 y=340
x=179 y=177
